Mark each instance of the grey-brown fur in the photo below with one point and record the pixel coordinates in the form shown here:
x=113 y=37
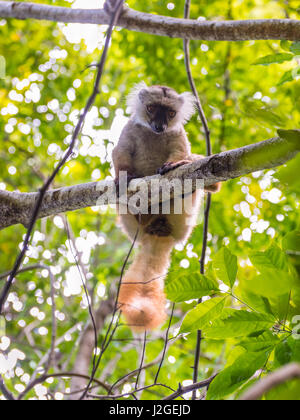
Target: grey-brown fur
x=154 y=140
x=159 y=227
x=140 y=150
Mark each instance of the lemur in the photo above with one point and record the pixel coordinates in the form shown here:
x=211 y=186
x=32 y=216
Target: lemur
x=153 y=141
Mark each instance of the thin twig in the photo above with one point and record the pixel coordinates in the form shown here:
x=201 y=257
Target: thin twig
x=205 y=233
x=49 y=356
x=154 y=362
x=7 y=394
x=43 y=378
x=53 y=321
x=22 y=270
x=226 y=84
x=107 y=339
x=132 y=393
x=190 y=388
x=84 y=285
x=165 y=345
x=43 y=190
x=142 y=361
x=186 y=47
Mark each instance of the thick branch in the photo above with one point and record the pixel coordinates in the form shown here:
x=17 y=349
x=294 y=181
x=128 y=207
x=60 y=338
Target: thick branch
x=256 y=29
x=286 y=373
x=17 y=207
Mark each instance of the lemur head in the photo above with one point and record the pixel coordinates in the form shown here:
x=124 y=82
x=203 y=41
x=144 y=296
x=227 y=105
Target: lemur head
x=160 y=108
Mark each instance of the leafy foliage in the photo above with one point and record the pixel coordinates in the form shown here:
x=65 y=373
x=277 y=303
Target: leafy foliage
x=251 y=289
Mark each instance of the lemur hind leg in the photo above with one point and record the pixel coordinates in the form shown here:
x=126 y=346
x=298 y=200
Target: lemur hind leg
x=159 y=227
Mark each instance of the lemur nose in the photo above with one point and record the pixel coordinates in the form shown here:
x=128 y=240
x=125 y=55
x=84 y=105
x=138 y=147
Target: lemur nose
x=159 y=128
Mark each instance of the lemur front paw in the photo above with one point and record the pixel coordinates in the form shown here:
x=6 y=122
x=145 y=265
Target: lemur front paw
x=170 y=166
x=129 y=178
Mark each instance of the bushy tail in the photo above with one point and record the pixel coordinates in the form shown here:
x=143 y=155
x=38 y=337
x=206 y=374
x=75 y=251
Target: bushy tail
x=141 y=298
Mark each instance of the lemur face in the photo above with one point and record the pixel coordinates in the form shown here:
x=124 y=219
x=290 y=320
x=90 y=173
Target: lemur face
x=161 y=108
x=159 y=117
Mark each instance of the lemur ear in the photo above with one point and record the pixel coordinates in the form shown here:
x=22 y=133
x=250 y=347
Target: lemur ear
x=134 y=96
x=143 y=95
x=188 y=108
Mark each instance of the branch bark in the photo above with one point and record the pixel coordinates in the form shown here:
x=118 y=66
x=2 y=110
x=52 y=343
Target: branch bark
x=190 y=388
x=86 y=347
x=7 y=394
x=276 y=378
x=239 y=30
x=17 y=207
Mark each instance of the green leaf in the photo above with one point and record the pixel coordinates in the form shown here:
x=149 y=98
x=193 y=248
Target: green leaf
x=275 y=278
x=285 y=45
x=238 y=323
x=272 y=259
x=280 y=306
x=264 y=114
x=203 y=314
x=271 y=283
x=272 y=305
x=233 y=377
x=225 y=266
x=190 y=286
x=287 y=352
x=274 y=59
x=291 y=135
x=289 y=76
x=257 y=302
x=295 y=48
x=286 y=174
x=291 y=241
x=283 y=354
x=265 y=341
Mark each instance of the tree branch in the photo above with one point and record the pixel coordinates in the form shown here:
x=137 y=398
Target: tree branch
x=276 y=378
x=86 y=347
x=190 y=388
x=187 y=60
x=114 y=16
x=17 y=207
x=7 y=394
x=239 y=30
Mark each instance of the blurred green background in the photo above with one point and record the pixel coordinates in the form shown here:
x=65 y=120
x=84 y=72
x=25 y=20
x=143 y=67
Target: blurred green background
x=48 y=81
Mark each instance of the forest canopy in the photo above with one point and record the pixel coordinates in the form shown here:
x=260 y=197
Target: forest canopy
x=59 y=328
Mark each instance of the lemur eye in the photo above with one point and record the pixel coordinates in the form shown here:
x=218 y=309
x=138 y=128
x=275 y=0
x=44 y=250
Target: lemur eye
x=150 y=109
x=172 y=114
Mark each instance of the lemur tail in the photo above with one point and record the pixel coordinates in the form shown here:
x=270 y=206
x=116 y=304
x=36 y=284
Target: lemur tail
x=141 y=298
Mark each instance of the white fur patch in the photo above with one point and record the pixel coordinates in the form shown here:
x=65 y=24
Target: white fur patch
x=186 y=111
x=189 y=106
x=133 y=97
